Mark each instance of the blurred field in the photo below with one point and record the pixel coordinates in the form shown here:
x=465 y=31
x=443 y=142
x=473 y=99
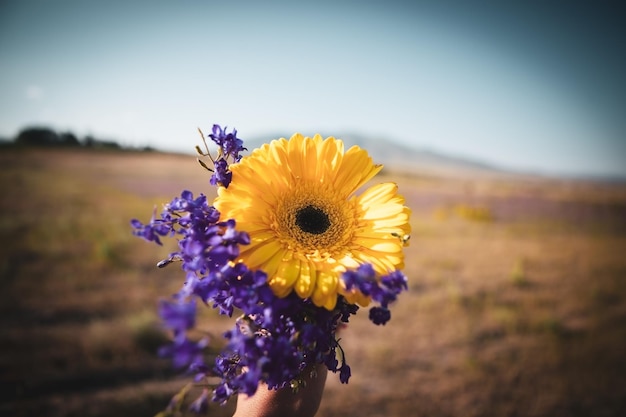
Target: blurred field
x=517 y=302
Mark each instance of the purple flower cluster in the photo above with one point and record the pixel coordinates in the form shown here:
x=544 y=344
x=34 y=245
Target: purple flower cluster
x=274 y=339
x=383 y=291
x=279 y=340
x=230 y=146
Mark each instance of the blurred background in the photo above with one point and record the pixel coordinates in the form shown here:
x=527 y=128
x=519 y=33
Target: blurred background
x=534 y=86
x=503 y=124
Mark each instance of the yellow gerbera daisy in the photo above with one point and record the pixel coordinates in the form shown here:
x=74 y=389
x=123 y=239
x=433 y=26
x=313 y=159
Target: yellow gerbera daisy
x=296 y=198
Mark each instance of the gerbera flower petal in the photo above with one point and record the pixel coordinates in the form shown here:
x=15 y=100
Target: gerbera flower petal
x=330 y=155
x=355 y=170
x=306 y=281
x=283 y=281
x=271 y=265
x=325 y=293
x=377 y=193
x=256 y=256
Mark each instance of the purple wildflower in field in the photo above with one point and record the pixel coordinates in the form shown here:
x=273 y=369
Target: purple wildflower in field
x=274 y=339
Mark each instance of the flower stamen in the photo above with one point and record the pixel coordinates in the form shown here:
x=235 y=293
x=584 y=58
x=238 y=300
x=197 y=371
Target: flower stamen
x=311 y=219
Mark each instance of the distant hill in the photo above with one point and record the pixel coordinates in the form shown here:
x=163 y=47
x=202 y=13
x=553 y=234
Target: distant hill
x=399 y=157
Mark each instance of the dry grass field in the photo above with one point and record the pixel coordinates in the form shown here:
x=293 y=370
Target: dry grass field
x=517 y=302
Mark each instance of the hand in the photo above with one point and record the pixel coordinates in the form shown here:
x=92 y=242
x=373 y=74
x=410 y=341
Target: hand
x=285 y=402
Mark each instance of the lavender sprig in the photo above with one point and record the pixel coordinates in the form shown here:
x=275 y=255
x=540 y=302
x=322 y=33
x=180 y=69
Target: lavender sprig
x=229 y=149
x=383 y=292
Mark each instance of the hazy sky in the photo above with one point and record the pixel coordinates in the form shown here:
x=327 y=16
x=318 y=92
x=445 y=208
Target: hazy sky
x=524 y=85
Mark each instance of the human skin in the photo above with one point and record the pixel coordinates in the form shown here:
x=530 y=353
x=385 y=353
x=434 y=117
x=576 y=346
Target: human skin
x=285 y=402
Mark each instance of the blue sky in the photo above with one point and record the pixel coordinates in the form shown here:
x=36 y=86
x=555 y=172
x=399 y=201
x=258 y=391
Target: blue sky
x=537 y=86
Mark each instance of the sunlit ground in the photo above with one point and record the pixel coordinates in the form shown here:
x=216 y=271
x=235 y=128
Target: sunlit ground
x=517 y=302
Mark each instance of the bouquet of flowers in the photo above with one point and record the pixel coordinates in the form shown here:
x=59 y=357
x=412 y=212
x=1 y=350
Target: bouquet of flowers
x=291 y=248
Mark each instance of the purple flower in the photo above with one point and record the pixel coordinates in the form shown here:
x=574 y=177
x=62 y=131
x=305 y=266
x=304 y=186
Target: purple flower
x=229 y=143
x=183 y=351
x=379 y=315
x=222 y=392
x=363 y=278
x=230 y=147
x=384 y=291
x=152 y=230
x=180 y=315
x=395 y=281
x=344 y=373
x=221 y=174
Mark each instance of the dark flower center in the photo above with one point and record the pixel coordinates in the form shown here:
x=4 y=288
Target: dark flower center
x=312 y=220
